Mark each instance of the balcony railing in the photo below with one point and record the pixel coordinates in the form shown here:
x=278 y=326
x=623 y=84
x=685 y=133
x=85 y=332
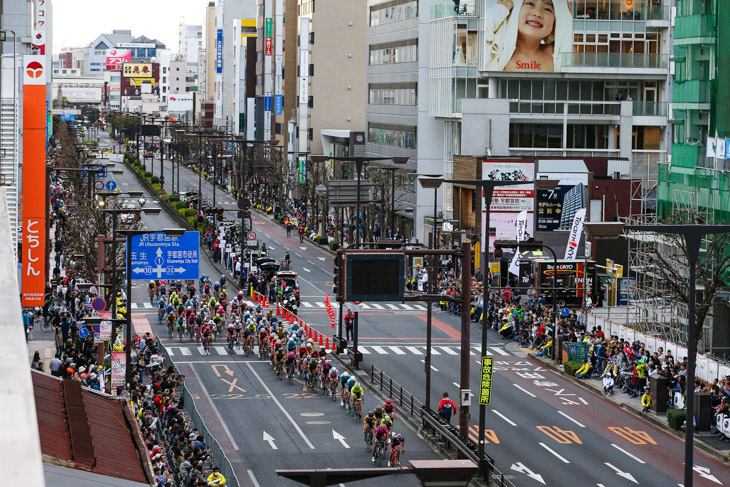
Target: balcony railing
x=649 y=109
x=444 y=10
x=614 y=60
x=692 y=26
x=639 y=12
x=609 y=108
x=692 y=91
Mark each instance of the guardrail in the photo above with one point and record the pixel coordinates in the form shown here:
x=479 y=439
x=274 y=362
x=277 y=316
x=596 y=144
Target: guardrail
x=217 y=455
x=442 y=430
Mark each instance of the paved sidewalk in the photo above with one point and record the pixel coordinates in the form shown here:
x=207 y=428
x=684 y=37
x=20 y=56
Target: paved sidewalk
x=703 y=440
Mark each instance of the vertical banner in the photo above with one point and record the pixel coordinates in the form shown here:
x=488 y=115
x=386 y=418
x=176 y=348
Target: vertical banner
x=119 y=366
x=268 y=51
x=576 y=229
x=303 y=96
x=218 y=114
x=34 y=181
x=279 y=59
x=521 y=232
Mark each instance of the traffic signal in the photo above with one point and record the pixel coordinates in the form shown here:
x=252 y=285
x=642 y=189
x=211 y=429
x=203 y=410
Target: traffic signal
x=338 y=289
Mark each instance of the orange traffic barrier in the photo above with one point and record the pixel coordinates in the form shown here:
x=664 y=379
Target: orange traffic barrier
x=321 y=342
x=334 y=347
x=277 y=309
x=309 y=333
x=327 y=344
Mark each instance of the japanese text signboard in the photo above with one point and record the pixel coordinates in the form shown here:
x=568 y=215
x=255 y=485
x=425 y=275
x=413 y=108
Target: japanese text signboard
x=485 y=383
x=158 y=256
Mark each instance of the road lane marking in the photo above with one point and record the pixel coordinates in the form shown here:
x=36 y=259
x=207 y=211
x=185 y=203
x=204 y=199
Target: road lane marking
x=380 y=350
x=215 y=409
x=627 y=453
x=620 y=473
x=392 y=306
x=319 y=304
x=525 y=391
x=415 y=351
x=509 y=421
x=564 y=437
x=221 y=350
x=320 y=258
x=363 y=350
x=419 y=307
x=456 y=384
x=397 y=350
x=276 y=401
x=576 y=422
x=432 y=367
x=297 y=254
x=305 y=269
x=498 y=351
x=559 y=457
x=449 y=351
x=270 y=439
x=377 y=306
x=307 y=304
x=405 y=306
x=185 y=351
x=365 y=306
x=253 y=478
x=633 y=436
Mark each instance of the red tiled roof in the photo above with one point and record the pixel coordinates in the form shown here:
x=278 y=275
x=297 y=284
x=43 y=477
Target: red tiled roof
x=85 y=430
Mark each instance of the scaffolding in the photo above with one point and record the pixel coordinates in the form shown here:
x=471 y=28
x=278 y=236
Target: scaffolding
x=649 y=311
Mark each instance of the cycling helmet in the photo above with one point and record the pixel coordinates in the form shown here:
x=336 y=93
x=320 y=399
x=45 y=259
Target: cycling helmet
x=370 y=413
x=388 y=401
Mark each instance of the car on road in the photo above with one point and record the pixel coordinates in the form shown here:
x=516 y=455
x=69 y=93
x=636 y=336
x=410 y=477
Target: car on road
x=291 y=290
x=128 y=217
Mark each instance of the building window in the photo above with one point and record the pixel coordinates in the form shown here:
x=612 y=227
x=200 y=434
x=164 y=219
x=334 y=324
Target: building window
x=531 y=135
x=392 y=135
x=395 y=94
x=400 y=52
x=387 y=13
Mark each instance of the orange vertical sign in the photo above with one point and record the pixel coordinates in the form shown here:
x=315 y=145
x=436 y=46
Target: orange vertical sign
x=34 y=256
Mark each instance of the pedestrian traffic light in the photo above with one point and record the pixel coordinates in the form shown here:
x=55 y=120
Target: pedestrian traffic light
x=338 y=288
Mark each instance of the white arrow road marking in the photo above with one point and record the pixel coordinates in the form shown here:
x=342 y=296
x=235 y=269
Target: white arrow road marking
x=705 y=473
x=519 y=467
x=321 y=258
x=620 y=473
x=340 y=438
x=305 y=269
x=303 y=248
x=270 y=439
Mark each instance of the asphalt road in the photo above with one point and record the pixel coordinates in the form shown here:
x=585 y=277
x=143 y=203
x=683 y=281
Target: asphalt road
x=541 y=428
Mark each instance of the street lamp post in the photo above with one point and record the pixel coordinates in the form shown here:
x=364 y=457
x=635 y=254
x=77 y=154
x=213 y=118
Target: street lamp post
x=487 y=187
x=692 y=234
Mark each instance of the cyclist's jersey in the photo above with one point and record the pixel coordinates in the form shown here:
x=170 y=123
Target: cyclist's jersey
x=290 y=358
x=386 y=422
x=161 y=304
x=333 y=374
x=207 y=331
x=343 y=379
x=231 y=329
x=369 y=420
x=279 y=355
x=397 y=440
x=312 y=365
x=357 y=390
x=381 y=433
x=351 y=382
x=389 y=410
x=378 y=413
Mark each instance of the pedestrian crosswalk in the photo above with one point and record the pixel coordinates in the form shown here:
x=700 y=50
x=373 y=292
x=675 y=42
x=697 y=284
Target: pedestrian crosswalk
x=417 y=350
x=321 y=305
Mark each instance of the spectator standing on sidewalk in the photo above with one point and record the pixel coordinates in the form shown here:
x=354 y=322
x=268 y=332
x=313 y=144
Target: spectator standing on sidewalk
x=349 y=323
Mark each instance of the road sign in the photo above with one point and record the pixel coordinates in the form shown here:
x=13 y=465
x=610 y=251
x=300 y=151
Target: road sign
x=485 y=384
x=111 y=185
x=251 y=235
x=83 y=332
x=158 y=256
x=98 y=303
x=98 y=185
x=252 y=243
x=105 y=330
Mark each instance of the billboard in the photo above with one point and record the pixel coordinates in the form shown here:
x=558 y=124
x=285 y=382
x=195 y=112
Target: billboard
x=550 y=202
x=219 y=52
x=509 y=201
x=525 y=35
x=180 y=102
x=115 y=58
x=33 y=257
x=137 y=70
x=248 y=29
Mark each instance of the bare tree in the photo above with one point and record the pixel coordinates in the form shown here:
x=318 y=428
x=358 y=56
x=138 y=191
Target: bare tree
x=667 y=261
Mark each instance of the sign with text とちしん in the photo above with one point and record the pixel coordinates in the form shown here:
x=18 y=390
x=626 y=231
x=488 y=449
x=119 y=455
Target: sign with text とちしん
x=158 y=256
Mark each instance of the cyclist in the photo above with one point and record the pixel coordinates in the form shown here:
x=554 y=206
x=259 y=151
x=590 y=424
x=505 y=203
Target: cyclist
x=387 y=422
x=378 y=412
x=349 y=385
x=333 y=375
x=389 y=409
x=223 y=281
x=151 y=288
x=344 y=377
x=381 y=436
x=356 y=393
x=291 y=360
x=397 y=446
x=279 y=358
x=231 y=335
x=369 y=422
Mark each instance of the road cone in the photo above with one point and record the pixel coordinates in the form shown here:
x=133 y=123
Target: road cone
x=327 y=344
x=278 y=311
x=334 y=347
x=309 y=333
x=321 y=342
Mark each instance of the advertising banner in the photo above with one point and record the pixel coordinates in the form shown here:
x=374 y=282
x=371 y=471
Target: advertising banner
x=248 y=29
x=115 y=58
x=105 y=330
x=119 y=365
x=180 y=102
x=525 y=36
x=520 y=234
x=550 y=202
x=219 y=52
x=39 y=41
x=576 y=230
x=33 y=256
x=137 y=70
x=509 y=201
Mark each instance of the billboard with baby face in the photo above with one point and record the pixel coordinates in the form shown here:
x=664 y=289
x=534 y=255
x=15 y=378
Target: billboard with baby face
x=527 y=35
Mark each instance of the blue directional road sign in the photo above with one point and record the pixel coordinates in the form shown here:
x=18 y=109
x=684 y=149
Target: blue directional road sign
x=111 y=185
x=157 y=256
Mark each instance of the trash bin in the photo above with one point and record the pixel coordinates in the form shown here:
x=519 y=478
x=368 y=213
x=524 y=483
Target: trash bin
x=703 y=411
x=659 y=393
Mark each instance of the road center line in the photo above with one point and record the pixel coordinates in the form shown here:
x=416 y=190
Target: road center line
x=554 y=452
x=215 y=409
x=576 y=422
x=432 y=367
x=524 y=390
x=504 y=417
x=627 y=453
x=276 y=401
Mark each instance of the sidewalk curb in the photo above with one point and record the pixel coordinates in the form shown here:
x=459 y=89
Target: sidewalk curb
x=635 y=411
